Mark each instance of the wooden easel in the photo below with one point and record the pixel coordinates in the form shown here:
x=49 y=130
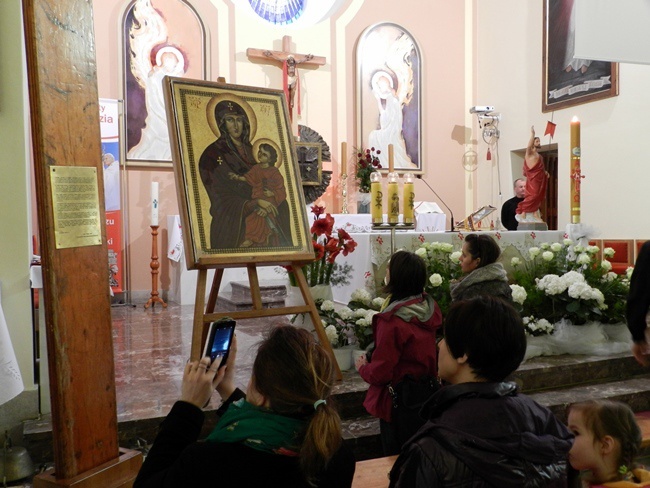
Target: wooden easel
x=204 y=313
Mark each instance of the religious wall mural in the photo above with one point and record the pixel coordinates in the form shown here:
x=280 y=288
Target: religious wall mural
x=570 y=81
x=153 y=48
x=389 y=94
x=237 y=180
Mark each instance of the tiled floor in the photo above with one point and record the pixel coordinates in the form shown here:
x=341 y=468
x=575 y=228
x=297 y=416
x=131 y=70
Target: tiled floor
x=151 y=347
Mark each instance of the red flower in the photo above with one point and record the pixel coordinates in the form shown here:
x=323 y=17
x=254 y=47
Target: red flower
x=332 y=244
x=343 y=234
x=317 y=210
x=349 y=247
x=319 y=250
x=332 y=255
x=323 y=226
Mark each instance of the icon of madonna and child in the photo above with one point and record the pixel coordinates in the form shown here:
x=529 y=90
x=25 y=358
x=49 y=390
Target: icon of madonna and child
x=248 y=197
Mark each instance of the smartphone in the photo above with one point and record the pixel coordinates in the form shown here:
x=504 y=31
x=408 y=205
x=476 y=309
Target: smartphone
x=219 y=339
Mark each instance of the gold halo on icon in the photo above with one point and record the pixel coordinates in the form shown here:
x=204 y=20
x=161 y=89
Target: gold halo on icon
x=212 y=121
x=256 y=148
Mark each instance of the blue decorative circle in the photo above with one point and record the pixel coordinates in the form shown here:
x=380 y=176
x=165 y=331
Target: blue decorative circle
x=278 y=12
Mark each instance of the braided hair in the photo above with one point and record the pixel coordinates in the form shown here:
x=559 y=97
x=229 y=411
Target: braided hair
x=615 y=419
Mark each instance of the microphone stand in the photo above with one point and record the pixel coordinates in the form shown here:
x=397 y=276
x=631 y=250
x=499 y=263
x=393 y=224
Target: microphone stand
x=441 y=201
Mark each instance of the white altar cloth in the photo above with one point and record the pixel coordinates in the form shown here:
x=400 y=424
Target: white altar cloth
x=374 y=248
x=361 y=223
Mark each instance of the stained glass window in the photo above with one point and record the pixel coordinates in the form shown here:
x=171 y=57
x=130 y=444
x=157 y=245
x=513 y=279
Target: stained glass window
x=278 y=12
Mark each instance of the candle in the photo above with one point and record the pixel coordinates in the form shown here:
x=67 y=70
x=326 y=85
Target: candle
x=391 y=158
x=376 y=198
x=408 y=196
x=576 y=174
x=393 y=199
x=154 y=203
x=344 y=158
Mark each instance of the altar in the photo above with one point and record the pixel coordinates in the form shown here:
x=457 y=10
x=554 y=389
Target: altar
x=361 y=223
x=374 y=248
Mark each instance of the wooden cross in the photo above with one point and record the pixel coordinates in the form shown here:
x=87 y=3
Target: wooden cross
x=289 y=61
x=64 y=108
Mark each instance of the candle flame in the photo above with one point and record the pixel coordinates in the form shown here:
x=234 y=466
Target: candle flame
x=575 y=119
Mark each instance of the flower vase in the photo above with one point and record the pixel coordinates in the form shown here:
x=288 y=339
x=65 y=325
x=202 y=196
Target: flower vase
x=321 y=292
x=363 y=203
x=356 y=354
x=343 y=356
x=318 y=292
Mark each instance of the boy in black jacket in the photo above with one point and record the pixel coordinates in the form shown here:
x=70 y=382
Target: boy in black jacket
x=480 y=431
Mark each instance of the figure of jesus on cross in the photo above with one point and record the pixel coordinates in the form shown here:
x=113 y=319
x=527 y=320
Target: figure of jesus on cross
x=290 y=62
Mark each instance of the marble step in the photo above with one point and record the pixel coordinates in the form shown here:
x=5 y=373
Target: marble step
x=361 y=433
x=535 y=375
x=542 y=373
x=269 y=289
x=227 y=302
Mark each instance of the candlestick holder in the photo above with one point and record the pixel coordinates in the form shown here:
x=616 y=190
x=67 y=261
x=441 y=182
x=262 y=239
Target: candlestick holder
x=344 y=193
x=154 y=265
x=393 y=228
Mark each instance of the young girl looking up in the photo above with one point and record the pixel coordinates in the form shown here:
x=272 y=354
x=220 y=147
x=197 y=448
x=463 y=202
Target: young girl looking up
x=607 y=439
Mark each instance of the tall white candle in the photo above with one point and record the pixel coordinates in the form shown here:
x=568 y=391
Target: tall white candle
x=154 y=203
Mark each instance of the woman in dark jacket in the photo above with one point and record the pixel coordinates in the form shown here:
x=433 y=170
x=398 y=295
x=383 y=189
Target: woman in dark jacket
x=405 y=344
x=283 y=432
x=482 y=275
x=481 y=432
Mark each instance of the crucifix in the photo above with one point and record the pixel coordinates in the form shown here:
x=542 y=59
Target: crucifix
x=290 y=62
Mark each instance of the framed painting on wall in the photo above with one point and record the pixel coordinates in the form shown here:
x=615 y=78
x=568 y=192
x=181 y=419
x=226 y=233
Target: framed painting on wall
x=159 y=38
x=389 y=94
x=569 y=81
x=237 y=174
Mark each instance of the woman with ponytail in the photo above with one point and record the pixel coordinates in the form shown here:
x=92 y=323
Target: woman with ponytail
x=284 y=431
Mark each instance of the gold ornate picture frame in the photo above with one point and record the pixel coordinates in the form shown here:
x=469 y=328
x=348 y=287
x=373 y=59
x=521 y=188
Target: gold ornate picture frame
x=237 y=174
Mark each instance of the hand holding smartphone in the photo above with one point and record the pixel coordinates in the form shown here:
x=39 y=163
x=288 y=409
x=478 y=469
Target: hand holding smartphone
x=219 y=340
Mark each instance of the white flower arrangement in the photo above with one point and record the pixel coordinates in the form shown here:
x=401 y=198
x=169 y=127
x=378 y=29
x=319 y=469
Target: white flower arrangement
x=569 y=283
x=361 y=295
x=327 y=306
x=583 y=258
x=548 y=256
x=519 y=294
x=435 y=279
x=609 y=252
x=537 y=327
